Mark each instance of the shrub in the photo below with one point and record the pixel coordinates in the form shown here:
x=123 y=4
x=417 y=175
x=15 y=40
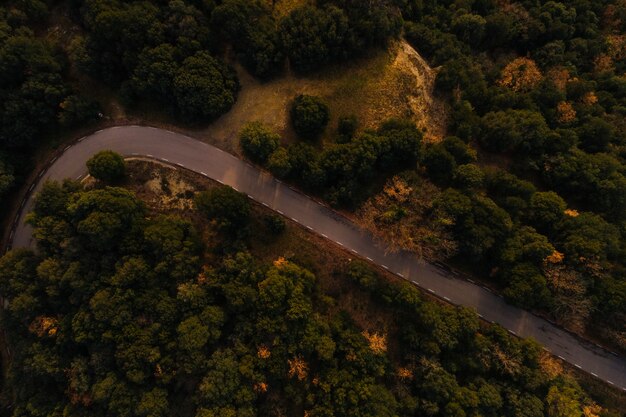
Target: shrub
x=258 y=142
x=107 y=166
x=309 y=116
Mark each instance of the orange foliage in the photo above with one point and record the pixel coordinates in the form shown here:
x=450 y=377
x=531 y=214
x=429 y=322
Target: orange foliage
x=617 y=46
x=298 y=367
x=404 y=373
x=555 y=258
x=571 y=213
x=263 y=352
x=559 y=77
x=378 y=342
x=602 y=63
x=592 y=410
x=520 y=75
x=280 y=262
x=590 y=98
x=260 y=387
x=44 y=326
x=565 y=112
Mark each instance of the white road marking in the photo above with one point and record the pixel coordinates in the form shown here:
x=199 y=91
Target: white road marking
x=471 y=281
x=430 y=290
x=295 y=220
x=180 y=165
x=280 y=212
x=594 y=374
x=166 y=160
x=67 y=147
x=446 y=298
x=265 y=204
x=415 y=282
x=339 y=243
x=204 y=173
x=400 y=275
x=610 y=382
x=561 y=357
x=150 y=156
x=512 y=332
x=309 y=227
x=323 y=235
x=578 y=366
x=220 y=181
x=386 y=267
x=54 y=159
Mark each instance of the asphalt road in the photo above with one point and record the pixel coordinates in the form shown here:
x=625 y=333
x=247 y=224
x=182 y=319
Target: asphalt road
x=262 y=187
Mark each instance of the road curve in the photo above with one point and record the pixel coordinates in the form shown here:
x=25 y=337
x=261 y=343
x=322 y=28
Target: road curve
x=214 y=163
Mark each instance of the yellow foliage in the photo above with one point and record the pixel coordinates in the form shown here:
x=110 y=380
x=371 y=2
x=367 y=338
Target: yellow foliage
x=298 y=367
x=263 y=352
x=555 y=258
x=44 y=326
x=397 y=190
x=404 y=373
x=521 y=74
x=571 y=213
x=377 y=342
x=549 y=365
x=565 y=112
x=158 y=371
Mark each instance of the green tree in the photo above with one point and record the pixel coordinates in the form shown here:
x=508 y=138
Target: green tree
x=204 y=88
x=227 y=207
x=258 y=142
x=107 y=166
x=546 y=211
x=279 y=163
x=309 y=116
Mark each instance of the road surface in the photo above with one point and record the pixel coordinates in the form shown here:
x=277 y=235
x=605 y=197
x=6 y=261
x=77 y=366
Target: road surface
x=214 y=163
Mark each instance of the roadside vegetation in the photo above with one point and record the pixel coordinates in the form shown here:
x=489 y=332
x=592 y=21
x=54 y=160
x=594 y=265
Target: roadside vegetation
x=147 y=308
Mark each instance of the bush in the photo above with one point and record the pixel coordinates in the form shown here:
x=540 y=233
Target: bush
x=107 y=166
x=309 y=116
x=229 y=208
x=346 y=128
x=258 y=142
x=274 y=223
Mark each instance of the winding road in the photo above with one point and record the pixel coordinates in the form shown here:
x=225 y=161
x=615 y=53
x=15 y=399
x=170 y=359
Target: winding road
x=177 y=149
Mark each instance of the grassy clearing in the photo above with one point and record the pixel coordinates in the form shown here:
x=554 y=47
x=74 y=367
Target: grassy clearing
x=393 y=83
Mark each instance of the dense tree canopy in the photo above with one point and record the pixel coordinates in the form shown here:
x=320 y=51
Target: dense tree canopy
x=115 y=315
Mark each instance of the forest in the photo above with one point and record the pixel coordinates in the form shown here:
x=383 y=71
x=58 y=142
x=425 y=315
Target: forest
x=130 y=312
x=527 y=191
